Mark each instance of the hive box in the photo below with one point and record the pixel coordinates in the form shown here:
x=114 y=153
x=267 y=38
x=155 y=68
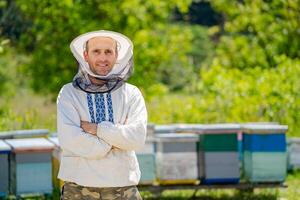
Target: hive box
x=219 y=153
x=4 y=168
x=146 y=159
x=165 y=128
x=56 y=156
x=265 y=158
x=24 y=134
x=176 y=158
x=30 y=166
x=294 y=153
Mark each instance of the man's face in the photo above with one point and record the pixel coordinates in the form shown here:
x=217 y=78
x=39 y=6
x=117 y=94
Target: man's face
x=101 y=55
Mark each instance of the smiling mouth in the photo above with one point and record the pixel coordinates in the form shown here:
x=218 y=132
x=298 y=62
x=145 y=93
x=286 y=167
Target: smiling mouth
x=102 y=65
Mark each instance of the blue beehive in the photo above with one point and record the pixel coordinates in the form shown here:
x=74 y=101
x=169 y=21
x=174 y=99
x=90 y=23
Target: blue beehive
x=4 y=168
x=30 y=166
x=265 y=158
x=146 y=159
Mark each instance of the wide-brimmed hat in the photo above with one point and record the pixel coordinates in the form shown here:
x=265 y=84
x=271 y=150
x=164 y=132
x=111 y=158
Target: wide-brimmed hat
x=121 y=70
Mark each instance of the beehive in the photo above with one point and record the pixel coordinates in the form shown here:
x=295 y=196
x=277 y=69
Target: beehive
x=146 y=159
x=219 y=153
x=30 y=166
x=4 y=168
x=265 y=158
x=294 y=153
x=165 y=128
x=176 y=158
x=24 y=134
x=56 y=156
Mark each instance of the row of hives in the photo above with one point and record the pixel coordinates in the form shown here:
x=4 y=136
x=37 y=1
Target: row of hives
x=173 y=154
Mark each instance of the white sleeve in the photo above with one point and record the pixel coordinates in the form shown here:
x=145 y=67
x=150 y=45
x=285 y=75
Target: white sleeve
x=71 y=136
x=132 y=134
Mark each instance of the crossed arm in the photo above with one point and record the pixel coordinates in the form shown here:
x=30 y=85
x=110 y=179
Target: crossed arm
x=93 y=141
x=89 y=127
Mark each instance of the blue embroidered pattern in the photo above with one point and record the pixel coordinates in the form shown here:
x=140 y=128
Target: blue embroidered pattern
x=110 y=108
x=91 y=107
x=100 y=108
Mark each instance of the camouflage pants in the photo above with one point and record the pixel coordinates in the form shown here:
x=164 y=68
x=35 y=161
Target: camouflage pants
x=72 y=191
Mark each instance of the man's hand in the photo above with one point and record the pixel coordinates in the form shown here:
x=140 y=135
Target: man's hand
x=89 y=127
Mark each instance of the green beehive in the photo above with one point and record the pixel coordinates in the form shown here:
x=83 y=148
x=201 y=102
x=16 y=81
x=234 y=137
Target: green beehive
x=218 y=151
x=218 y=142
x=214 y=137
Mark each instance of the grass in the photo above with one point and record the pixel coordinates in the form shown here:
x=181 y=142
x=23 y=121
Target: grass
x=27 y=111
x=292 y=192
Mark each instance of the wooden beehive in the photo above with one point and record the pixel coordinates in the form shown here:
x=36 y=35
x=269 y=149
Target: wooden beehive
x=4 y=168
x=265 y=158
x=56 y=156
x=31 y=166
x=294 y=153
x=24 y=134
x=176 y=158
x=165 y=128
x=219 y=153
x=146 y=159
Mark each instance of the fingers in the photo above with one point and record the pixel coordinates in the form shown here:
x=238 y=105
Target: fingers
x=89 y=127
x=114 y=147
x=83 y=123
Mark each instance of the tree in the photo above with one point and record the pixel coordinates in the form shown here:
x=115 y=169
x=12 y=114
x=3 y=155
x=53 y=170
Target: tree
x=255 y=69
x=55 y=23
x=257 y=33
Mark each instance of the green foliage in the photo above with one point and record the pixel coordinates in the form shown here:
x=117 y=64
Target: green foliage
x=19 y=107
x=3 y=43
x=3 y=78
x=234 y=95
x=256 y=33
x=255 y=94
x=201 y=53
x=26 y=110
x=158 y=46
x=12 y=22
x=11 y=76
x=251 y=76
x=160 y=57
x=172 y=57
